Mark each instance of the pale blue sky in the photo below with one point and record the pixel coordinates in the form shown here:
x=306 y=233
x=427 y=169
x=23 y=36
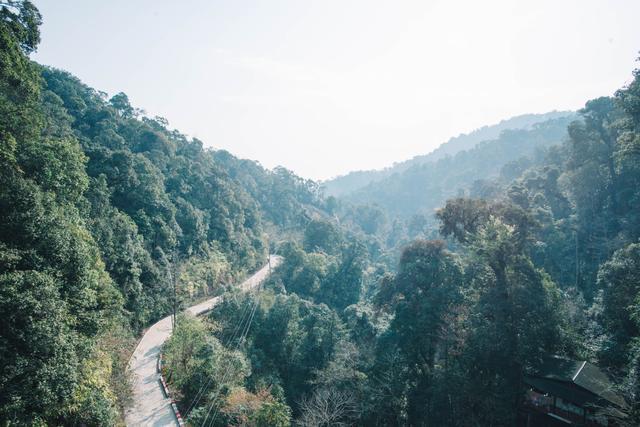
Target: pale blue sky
x=325 y=87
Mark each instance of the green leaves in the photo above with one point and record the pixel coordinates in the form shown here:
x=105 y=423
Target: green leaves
x=24 y=20
x=19 y=80
x=38 y=348
x=333 y=279
x=619 y=279
x=272 y=414
x=56 y=165
x=322 y=236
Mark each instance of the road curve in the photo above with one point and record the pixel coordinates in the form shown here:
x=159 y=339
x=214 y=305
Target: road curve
x=150 y=407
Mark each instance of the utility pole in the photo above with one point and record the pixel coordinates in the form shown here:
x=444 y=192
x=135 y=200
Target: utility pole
x=269 y=253
x=173 y=272
x=577 y=265
x=175 y=303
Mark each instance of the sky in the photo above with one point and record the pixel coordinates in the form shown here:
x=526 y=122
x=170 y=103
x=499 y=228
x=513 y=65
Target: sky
x=327 y=87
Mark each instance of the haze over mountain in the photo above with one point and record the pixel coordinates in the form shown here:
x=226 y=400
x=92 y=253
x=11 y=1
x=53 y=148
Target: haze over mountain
x=492 y=282
x=424 y=186
x=352 y=181
x=324 y=88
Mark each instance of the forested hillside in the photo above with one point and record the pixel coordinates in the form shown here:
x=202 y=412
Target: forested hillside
x=544 y=266
x=99 y=205
x=432 y=308
x=422 y=188
x=343 y=186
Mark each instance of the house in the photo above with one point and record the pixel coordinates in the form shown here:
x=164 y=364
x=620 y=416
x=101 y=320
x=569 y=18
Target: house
x=566 y=392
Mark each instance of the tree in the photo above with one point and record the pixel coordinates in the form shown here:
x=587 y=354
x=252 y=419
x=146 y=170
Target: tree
x=417 y=225
x=386 y=402
x=38 y=348
x=371 y=219
x=320 y=235
x=272 y=414
x=202 y=369
x=120 y=102
x=426 y=289
x=629 y=97
x=619 y=278
x=327 y=407
x=298 y=340
x=19 y=80
x=516 y=315
x=24 y=20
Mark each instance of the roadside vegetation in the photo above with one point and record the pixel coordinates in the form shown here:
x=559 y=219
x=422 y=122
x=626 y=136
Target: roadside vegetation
x=384 y=311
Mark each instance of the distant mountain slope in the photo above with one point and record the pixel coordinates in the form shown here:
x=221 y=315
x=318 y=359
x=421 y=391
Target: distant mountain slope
x=425 y=187
x=353 y=181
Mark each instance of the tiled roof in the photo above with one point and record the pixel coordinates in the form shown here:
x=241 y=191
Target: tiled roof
x=583 y=374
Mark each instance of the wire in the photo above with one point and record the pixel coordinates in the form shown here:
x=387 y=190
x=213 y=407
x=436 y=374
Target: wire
x=228 y=370
x=229 y=339
x=215 y=414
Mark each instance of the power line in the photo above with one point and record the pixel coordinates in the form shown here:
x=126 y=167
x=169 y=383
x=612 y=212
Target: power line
x=215 y=414
x=228 y=370
x=229 y=340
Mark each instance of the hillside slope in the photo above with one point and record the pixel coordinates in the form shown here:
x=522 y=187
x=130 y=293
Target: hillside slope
x=108 y=221
x=343 y=185
x=424 y=187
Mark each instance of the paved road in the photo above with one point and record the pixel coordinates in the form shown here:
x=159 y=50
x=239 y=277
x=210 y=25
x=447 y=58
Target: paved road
x=150 y=407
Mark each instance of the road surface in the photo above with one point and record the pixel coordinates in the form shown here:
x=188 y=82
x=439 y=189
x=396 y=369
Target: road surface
x=150 y=407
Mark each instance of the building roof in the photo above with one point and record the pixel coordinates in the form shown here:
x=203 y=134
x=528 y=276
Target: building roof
x=576 y=381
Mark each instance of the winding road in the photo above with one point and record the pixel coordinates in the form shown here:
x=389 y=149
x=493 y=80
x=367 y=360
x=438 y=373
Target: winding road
x=150 y=407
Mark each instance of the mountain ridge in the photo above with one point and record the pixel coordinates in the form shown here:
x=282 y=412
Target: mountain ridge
x=355 y=180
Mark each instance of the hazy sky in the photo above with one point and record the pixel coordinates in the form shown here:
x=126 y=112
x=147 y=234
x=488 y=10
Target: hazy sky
x=325 y=87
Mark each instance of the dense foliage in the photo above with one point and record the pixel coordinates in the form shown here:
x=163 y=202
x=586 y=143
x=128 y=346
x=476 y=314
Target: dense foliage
x=543 y=260
x=100 y=206
x=379 y=315
x=424 y=187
